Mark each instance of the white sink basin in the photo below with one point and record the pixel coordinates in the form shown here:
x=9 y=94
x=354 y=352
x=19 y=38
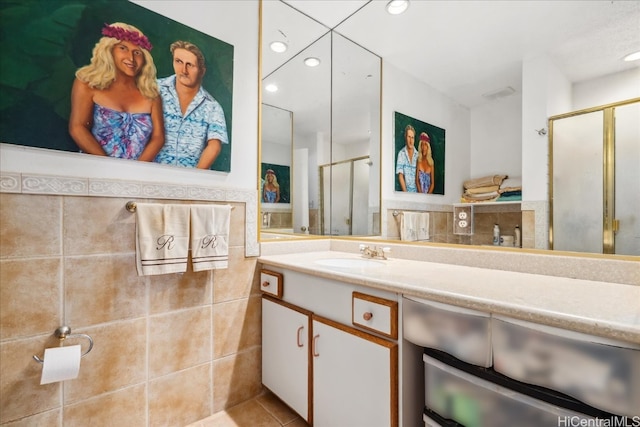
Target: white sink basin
x=349 y=262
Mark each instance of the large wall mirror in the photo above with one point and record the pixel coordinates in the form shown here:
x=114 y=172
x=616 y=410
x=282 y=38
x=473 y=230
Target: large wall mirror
x=321 y=119
x=444 y=62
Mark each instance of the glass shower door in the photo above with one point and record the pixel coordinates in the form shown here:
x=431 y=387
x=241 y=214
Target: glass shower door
x=595 y=182
x=578 y=192
x=627 y=179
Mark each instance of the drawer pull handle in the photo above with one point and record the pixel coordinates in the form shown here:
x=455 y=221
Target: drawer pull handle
x=313 y=349
x=298 y=336
x=265 y=284
x=367 y=316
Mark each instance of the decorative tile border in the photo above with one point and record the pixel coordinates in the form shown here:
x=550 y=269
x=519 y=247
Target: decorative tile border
x=67 y=186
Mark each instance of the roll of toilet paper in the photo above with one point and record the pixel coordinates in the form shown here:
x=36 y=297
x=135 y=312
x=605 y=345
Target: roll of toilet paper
x=60 y=364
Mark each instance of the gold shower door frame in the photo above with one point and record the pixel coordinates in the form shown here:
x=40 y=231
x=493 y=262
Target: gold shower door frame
x=610 y=225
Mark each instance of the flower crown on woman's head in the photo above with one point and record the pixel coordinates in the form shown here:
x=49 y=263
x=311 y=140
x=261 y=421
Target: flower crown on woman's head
x=130 y=36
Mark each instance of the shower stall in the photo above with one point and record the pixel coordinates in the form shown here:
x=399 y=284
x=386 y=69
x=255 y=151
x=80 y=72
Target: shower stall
x=595 y=179
x=344 y=197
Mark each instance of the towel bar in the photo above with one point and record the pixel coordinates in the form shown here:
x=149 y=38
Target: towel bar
x=64 y=332
x=131 y=206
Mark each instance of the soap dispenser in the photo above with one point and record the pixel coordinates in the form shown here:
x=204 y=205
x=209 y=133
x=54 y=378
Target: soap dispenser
x=496 y=234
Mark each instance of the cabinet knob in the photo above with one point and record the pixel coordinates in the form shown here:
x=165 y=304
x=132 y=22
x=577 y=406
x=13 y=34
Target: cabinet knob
x=367 y=316
x=265 y=284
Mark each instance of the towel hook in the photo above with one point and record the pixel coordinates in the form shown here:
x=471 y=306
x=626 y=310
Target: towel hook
x=64 y=332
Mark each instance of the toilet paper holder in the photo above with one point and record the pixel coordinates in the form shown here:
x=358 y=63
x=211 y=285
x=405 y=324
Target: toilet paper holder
x=64 y=332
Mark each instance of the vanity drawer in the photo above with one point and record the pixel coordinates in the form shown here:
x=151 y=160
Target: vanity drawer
x=598 y=371
x=271 y=283
x=461 y=332
x=472 y=401
x=375 y=314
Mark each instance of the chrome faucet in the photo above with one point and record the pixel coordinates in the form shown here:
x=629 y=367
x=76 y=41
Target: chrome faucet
x=374 y=252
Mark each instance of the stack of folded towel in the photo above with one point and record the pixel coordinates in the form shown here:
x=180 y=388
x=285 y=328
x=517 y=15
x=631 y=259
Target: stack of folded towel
x=492 y=188
x=484 y=189
x=510 y=190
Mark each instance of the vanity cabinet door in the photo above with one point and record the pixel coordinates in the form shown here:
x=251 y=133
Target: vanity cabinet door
x=355 y=378
x=286 y=352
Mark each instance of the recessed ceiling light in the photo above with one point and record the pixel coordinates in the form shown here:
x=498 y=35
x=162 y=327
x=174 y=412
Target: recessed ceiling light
x=271 y=87
x=312 y=61
x=632 y=56
x=396 y=7
x=278 y=46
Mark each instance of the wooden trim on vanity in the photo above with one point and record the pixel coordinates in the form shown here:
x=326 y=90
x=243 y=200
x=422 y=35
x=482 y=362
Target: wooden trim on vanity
x=309 y=315
x=393 y=360
x=310 y=370
x=393 y=308
x=279 y=282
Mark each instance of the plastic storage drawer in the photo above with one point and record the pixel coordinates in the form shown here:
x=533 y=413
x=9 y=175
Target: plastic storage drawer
x=598 y=371
x=461 y=332
x=474 y=402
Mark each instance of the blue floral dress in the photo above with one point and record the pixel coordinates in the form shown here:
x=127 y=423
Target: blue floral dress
x=121 y=134
x=425 y=181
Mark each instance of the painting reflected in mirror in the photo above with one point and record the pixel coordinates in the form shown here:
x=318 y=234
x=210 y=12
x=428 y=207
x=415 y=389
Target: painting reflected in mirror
x=420 y=154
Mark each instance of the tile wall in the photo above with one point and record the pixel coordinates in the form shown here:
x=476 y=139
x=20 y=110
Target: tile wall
x=441 y=226
x=169 y=350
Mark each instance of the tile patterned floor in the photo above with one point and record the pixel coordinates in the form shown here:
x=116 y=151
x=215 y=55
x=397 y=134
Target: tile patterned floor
x=265 y=410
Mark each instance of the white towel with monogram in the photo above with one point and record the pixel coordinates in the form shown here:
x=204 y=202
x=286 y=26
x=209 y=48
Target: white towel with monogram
x=423 y=226
x=409 y=223
x=210 y=236
x=162 y=238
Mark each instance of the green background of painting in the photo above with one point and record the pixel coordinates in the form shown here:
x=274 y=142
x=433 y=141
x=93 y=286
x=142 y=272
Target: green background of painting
x=44 y=42
x=437 y=137
x=283 y=177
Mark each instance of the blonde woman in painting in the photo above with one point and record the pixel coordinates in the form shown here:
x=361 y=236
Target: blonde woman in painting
x=271 y=190
x=424 y=167
x=116 y=109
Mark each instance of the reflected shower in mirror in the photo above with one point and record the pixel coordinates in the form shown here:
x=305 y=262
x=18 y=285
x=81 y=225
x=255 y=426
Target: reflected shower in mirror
x=595 y=180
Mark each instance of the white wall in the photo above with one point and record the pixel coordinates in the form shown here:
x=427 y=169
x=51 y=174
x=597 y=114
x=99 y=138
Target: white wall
x=406 y=95
x=235 y=22
x=278 y=154
x=545 y=92
x=606 y=90
x=496 y=138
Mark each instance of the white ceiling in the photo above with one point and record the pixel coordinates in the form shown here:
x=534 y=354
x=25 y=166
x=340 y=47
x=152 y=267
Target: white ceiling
x=467 y=48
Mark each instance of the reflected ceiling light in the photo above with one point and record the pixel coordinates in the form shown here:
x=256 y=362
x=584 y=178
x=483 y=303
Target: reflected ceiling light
x=312 y=61
x=632 y=56
x=271 y=87
x=396 y=7
x=278 y=46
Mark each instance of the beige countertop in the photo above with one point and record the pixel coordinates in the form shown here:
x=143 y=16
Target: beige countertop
x=610 y=310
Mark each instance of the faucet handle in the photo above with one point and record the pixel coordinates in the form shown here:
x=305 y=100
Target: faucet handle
x=362 y=247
